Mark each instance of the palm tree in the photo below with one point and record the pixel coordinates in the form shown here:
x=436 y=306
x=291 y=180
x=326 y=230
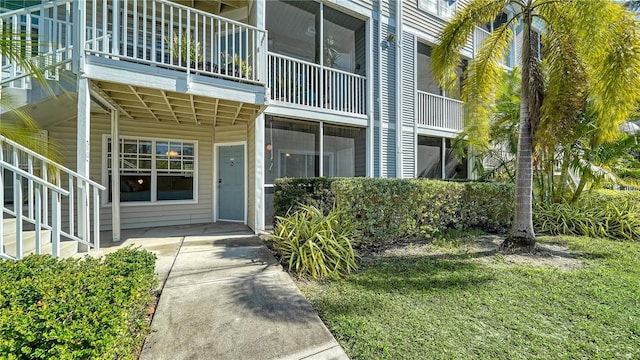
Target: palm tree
x=593 y=43
x=18 y=125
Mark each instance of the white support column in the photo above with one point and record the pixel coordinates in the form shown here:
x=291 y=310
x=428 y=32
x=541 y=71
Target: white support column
x=259 y=173
x=79 y=12
x=321 y=141
x=398 y=95
x=370 y=81
x=82 y=156
x=443 y=157
x=115 y=174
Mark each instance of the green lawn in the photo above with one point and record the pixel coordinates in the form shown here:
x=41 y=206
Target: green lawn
x=482 y=306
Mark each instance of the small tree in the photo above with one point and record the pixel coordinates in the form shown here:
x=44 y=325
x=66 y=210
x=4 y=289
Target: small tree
x=596 y=42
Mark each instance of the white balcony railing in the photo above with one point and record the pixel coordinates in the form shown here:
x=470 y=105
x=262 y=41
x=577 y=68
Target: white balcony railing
x=42 y=35
x=166 y=34
x=438 y=111
x=303 y=83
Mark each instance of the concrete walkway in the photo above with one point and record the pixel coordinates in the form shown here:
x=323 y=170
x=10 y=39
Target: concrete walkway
x=224 y=296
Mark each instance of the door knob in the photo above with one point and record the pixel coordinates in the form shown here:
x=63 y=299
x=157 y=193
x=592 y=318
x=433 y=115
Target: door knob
x=220 y=181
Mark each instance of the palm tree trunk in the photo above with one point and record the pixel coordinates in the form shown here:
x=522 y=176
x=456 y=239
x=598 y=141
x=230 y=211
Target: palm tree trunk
x=522 y=233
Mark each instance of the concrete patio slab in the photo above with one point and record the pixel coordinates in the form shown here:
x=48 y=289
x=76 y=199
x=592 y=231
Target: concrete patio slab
x=226 y=297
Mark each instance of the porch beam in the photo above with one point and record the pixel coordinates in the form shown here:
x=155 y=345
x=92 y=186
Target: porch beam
x=193 y=108
x=237 y=113
x=109 y=99
x=166 y=100
x=135 y=92
x=215 y=112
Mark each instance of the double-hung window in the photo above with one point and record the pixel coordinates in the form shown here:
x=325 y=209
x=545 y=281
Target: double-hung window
x=155 y=170
x=441 y=8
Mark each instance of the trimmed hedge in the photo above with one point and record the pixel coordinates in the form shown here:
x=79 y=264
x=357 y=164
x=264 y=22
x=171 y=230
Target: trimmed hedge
x=76 y=308
x=392 y=210
x=290 y=193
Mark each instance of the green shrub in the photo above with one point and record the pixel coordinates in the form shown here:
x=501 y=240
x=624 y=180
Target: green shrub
x=75 y=309
x=289 y=193
x=311 y=243
x=391 y=210
x=606 y=214
x=487 y=206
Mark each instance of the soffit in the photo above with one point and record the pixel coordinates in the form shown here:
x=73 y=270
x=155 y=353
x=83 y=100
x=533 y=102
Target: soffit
x=147 y=104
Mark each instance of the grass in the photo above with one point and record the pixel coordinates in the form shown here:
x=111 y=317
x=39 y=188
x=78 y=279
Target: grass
x=455 y=307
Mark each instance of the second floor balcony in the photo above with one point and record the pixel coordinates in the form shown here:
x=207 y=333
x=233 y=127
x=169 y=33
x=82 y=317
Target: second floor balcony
x=439 y=112
x=157 y=33
x=302 y=83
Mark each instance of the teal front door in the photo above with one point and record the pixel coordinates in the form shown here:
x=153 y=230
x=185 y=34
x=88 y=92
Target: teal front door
x=230 y=182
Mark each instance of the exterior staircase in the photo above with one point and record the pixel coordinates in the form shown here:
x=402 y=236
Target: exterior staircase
x=46 y=208
x=30 y=242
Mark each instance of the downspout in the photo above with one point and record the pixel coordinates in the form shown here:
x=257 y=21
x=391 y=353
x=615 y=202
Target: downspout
x=398 y=97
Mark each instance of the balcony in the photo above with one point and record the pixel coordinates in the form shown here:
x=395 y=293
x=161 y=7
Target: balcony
x=439 y=112
x=157 y=33
x=305 y=84
x=169 y=35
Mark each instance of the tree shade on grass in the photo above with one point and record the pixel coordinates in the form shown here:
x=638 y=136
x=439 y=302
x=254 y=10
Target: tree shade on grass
x=592 y=51
x=468 y=306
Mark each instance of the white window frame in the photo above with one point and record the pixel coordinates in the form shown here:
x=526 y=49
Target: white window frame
x=439 y=8
x=154 y=173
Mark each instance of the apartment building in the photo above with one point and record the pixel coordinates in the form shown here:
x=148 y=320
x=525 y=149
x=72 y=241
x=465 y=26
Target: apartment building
x=211 y=101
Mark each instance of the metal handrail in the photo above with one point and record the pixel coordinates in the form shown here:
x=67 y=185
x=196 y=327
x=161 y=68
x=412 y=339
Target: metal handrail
x=39 y=181
x=52 y=163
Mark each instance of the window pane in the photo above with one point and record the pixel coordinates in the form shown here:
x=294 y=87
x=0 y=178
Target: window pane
x=454 y=168
x=292 y=28
x=133 y=188
x=341 y=32
x=269 y=211
x=344 y=151
x=429 y=157
x=162 y=148
x=175 y=187
x=426 y=81
x=292 y=149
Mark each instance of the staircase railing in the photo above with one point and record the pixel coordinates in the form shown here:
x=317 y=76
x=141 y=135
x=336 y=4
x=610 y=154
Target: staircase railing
x=73 y=211
x=41 y=34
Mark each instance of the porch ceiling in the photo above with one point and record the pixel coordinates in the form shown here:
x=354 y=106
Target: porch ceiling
x=146 y=104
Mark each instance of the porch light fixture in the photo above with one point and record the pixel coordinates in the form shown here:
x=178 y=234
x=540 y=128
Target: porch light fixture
x=287 y=155
x=140 y=181
x=269 y=147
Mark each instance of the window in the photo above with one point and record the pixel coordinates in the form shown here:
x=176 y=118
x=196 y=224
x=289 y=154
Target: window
x=442 y=8
x=431 y=152
x=298 y=28
x=154 y=170
x=295 y=148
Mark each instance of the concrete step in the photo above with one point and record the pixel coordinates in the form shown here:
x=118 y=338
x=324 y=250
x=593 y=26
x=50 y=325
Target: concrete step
x=67 y=248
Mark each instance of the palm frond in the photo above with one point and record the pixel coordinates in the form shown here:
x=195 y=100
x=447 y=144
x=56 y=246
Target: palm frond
x=481 y=85
x=445 y=56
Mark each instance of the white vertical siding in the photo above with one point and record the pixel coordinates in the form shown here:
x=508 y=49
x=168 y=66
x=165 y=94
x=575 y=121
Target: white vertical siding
x=136 y=216
x=408 y=104
x=426 y=22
